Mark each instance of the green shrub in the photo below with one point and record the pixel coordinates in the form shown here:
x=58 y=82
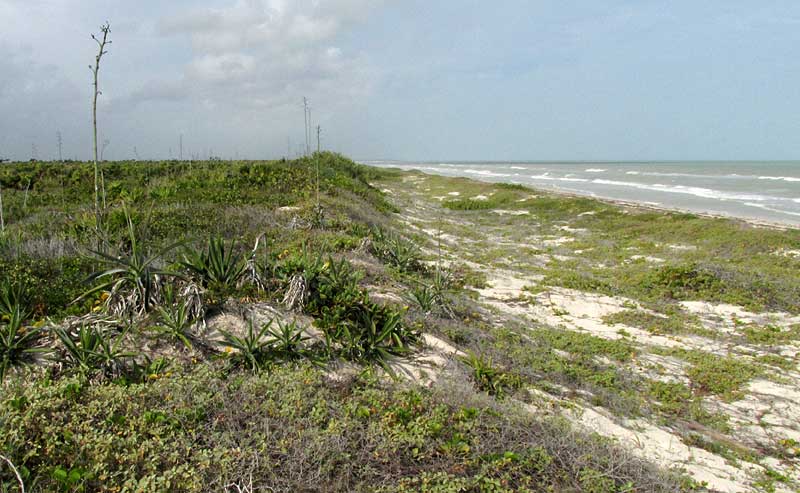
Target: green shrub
x=586 y=345
x=685 y=281
x=48 y=286
x=771 y=335
x=673 y=397
x=203 y=430
x=718 y=375
x=674 y=322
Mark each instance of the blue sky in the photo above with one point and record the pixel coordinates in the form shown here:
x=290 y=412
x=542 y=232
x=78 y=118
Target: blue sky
x=407 y=79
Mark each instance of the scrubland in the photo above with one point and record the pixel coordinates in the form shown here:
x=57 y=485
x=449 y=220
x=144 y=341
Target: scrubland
x=223 y=326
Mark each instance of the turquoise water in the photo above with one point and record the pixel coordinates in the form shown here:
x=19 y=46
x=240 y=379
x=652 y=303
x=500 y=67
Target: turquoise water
x=768 y=191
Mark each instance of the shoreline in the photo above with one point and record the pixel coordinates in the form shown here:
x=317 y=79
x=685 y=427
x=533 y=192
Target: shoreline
x=761 y=223
x=685 y=317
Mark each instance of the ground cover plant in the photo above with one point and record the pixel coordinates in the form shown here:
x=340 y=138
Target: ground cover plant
x=152 y=347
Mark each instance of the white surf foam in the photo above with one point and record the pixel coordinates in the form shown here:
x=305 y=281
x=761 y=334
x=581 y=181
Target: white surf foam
x=772 y=209
x=486 y=172
x=780 y=178
x=696 y=191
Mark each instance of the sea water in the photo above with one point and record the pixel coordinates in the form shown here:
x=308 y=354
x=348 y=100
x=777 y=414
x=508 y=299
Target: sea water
x=760 y=190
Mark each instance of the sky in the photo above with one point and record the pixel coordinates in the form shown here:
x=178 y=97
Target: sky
x=405 y=79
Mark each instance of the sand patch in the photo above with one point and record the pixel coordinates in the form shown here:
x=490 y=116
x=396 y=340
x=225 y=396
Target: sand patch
x=445 y=237
x=682 y=248
x=571 y=230
x=714 y=313
x=648 y=259
x=557 y=241
x=427 y=366
x=506 y=286
x=503 y=212
x=787 y=253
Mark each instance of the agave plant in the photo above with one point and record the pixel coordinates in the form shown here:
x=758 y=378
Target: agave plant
x=423 y=296
x=340 y=275
x=17 y=343
x=148 y=368
x=177 y=319
x=217 y=267
x=91 y=351
x=133 y=280
x=488 y=377
x=432 y=297
x=253 y=348
x=11 y=299
x=288 y=341
x=375 y=337
x=396 y=250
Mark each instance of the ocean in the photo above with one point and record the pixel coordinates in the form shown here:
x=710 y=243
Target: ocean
x=757 y=190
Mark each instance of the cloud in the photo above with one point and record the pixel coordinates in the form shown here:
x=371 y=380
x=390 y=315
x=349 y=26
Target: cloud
x=257 y=54
x=261 y=23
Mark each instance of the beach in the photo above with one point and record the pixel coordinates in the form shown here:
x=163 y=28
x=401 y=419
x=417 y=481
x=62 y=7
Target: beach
x=767 y=192
x=611 y=296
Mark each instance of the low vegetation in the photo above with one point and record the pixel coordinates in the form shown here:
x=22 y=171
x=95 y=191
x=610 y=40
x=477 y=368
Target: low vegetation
x=197 y=337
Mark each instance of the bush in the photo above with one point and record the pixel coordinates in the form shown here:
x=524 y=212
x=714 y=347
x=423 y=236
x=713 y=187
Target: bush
x=202 y=430
x=354 y=326
x=684 y=282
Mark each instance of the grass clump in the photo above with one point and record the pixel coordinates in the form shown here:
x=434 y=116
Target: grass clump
x=717 y=375
x=488 y=377
x=771 y=335
x=586 y=345
x=673 y=322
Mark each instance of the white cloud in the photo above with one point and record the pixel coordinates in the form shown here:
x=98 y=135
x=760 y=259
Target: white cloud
x=259 y=54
